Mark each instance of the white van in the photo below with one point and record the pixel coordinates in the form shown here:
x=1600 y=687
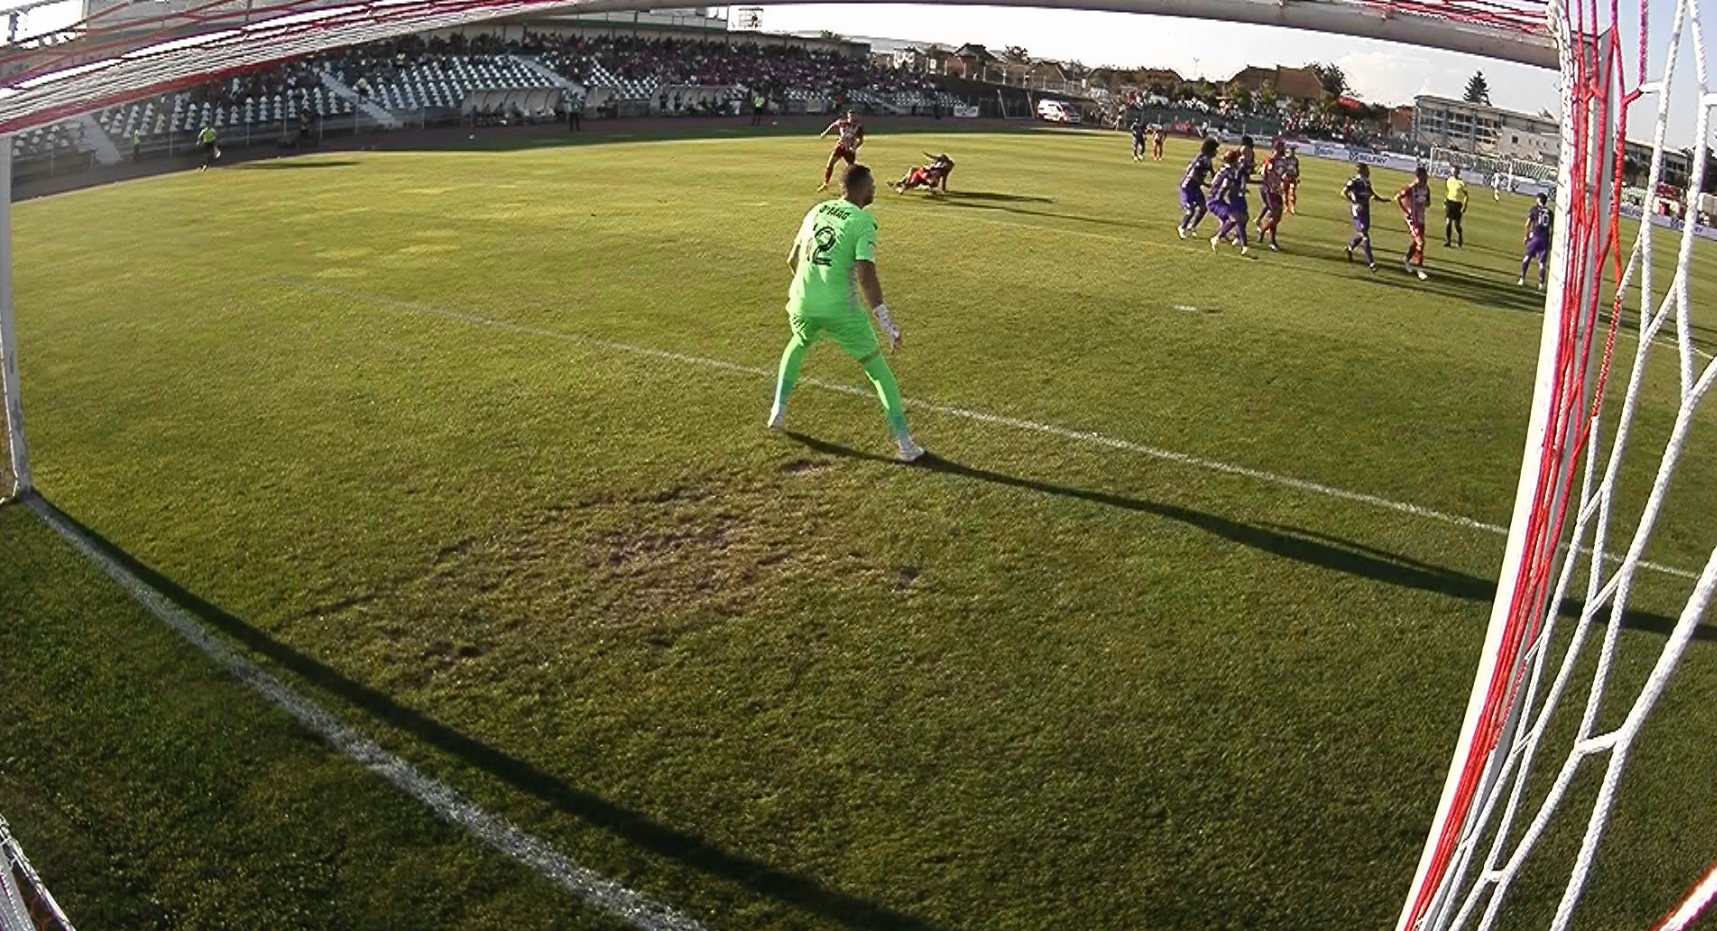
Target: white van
x=1057 y=111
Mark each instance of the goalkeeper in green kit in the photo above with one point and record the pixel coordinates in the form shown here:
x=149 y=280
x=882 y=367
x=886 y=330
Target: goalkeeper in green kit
x=834 y=268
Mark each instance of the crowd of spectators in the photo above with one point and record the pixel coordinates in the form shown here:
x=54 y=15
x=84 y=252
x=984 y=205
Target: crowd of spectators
x=772 y=70
x=293 y=79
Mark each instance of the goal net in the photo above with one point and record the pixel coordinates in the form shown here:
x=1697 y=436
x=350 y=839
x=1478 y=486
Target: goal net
x=25 y=904
x=1557 y=710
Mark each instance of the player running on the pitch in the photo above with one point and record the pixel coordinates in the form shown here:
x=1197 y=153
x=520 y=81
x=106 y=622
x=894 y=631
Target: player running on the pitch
x=1270 y=192
x=211 y=148
x=1228 y=201
x=834 y=267
x=1157 y=138
x=850 y=137
x=1138 y=140
x=1539 y=222
x=1193 y=204
x=1360 y=194
x=1414 y=200
x=1291 y=180
x=932 y=174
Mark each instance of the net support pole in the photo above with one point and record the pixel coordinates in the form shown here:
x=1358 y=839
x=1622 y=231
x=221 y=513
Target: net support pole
x=15 y=446
x=1455 y=813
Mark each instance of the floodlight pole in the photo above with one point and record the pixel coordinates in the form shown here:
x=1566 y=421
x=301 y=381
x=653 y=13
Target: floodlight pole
x=9 y=335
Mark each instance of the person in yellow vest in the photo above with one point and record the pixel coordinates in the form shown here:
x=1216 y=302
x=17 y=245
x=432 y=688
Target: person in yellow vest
x=1454 y=209
x=757 y=103
x=206 y=142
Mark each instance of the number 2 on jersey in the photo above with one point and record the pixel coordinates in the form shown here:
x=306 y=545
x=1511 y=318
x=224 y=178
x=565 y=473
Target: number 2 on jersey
x=825 y=236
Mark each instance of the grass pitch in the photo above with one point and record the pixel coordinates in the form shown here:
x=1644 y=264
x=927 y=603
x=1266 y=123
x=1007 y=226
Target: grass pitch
x=469 y=447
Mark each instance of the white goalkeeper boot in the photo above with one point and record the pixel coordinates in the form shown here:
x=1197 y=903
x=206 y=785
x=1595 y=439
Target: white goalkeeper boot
x=909 y=451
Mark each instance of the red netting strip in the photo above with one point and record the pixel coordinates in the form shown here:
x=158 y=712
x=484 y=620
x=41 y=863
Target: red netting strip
x=1594 y=239
x=1522 y=15
x=1700 y=897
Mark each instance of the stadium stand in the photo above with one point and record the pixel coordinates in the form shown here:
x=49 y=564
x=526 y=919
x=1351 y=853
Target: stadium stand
x=486 y=80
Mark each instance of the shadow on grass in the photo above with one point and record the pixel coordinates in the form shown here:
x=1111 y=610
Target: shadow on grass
x=953 y=200
x=687 y=848
x=656 y=129
x=1313 y=549
x=1487 y=291
x=996 y=196
x=290 y=164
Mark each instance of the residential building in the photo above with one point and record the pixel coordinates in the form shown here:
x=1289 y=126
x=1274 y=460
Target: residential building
x=1289 y=83
x=1479 y=129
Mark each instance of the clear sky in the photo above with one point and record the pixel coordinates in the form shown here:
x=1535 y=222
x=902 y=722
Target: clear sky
x=1380 y=72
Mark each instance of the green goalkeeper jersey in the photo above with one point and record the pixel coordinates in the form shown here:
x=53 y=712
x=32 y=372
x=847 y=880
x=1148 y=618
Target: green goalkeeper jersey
x=835 y=234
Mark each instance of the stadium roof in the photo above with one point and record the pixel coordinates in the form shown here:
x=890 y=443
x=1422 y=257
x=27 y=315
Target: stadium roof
x=116 y=55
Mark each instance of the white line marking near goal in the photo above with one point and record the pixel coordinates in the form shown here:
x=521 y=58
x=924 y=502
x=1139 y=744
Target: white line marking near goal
x=1001 y=420
x=635 y=908
x=1186 y=307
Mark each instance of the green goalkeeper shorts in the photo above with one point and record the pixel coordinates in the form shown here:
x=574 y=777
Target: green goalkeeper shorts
x=849 y=328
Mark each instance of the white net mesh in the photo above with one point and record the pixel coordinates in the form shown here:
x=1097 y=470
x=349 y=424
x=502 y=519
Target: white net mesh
x=1525 y=767
x=25 y=904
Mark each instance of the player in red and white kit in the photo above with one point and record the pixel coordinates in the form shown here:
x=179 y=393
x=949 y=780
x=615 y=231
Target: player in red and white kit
x=1414 y=200
x=1271 y=188
x=851 y=136
x=932 y=175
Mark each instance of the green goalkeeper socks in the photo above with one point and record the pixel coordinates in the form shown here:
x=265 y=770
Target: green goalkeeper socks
x=791 y=358
x=888 y=391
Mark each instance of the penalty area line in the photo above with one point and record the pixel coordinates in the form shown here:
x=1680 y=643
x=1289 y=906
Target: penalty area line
x=496 y=832
x=1086 y=437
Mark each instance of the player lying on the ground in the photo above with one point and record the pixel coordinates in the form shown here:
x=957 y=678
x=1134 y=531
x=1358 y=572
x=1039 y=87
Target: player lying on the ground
x=1539 y=222
x=1138 y=140
x=1270 y=192
x=1291 y=180
x=1193 y=204
x=850 y=137
x=834 y=265
x=1360 y=194
x=1414 y=200
x=933 y=175
x=1228 y=200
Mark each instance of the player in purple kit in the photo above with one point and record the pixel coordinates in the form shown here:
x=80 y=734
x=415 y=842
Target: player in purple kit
x=1360 y=194
x=1539 y=221
x=1228 y=201
x=1192 y=200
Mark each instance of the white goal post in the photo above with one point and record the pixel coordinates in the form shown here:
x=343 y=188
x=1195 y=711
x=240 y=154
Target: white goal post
x=17 y=476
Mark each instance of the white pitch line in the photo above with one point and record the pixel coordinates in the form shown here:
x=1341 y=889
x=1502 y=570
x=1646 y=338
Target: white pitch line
x=1068 y=433
x=599 y=891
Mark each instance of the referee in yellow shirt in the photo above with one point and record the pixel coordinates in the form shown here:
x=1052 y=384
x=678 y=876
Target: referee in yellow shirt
x=1454 y=208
